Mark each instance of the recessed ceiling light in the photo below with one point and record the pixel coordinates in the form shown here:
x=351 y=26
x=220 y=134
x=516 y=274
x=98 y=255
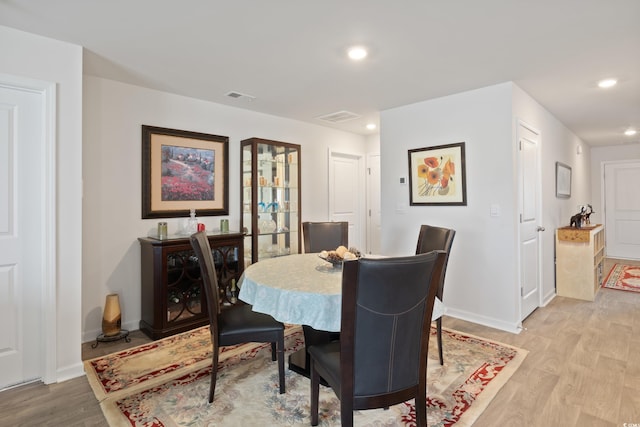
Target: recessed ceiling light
x=357 y=53
x=630 y=132
x=607 y=83
x=371 y=126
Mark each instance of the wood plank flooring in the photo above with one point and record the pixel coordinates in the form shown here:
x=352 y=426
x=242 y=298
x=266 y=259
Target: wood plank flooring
x=583 y=367
x=583 y=370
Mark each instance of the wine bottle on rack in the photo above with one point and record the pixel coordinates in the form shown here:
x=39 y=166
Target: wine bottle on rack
x=234 y=292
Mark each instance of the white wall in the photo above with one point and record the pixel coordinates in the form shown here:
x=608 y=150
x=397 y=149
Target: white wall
x=482 y=278
x=478 y=286
x=373 y=144
x=113 y=115
x=35 y=57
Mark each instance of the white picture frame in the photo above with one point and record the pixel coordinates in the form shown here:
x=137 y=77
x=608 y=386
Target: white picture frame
x=563 y=181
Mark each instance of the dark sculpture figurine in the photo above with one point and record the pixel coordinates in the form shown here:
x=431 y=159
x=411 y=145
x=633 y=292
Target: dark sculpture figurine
x=587 y=214
x=576 y=220
x=582 y=217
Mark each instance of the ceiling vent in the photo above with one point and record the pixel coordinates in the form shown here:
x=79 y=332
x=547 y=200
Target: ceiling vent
x=238 y=95
x=339 y=117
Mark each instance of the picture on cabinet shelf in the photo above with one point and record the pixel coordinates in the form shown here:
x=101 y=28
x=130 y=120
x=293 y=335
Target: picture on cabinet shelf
x=437 y=175
x=184 y=170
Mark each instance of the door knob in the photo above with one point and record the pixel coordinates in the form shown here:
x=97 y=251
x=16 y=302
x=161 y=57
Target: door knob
x=540 y=228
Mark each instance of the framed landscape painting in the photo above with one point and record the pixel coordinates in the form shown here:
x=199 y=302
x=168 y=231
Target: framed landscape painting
x=184 y=170
x=437 y=175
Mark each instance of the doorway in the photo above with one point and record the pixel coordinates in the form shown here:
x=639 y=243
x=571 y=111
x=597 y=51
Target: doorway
x=346 y=194
x=374 y=206
x=622 y=209
x=528 y=140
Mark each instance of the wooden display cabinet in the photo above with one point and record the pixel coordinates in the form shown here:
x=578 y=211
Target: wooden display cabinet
x=172 y=296
x=270 y=198
x=579 y=261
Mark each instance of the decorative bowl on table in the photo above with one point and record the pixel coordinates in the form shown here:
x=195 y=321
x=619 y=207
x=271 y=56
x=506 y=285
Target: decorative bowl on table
x=338 y=256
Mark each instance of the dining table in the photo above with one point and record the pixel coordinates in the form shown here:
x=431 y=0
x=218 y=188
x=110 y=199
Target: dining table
x=300 y=289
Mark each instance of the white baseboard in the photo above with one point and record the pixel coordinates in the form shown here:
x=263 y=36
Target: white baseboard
x=491 y=322
x=70 y=372
x=547 y=298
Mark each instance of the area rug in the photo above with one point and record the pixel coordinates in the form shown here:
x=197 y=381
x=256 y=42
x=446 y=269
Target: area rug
x=166 y=383
x=623 y=277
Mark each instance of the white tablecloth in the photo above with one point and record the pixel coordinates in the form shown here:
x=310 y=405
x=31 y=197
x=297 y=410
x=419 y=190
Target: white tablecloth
x=300 y=289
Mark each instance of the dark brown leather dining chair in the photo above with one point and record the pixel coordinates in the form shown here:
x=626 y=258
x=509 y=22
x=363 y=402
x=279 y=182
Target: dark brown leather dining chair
x=325 y=236
x=236 y=324
x=384 y=339
x=437 y=238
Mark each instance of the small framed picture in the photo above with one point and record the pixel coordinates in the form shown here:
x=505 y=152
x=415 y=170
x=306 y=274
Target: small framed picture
x=563 y=181
x=437 y=175
x=184 y=170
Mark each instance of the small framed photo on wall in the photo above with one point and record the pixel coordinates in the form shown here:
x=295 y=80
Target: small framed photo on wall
x=563 y=181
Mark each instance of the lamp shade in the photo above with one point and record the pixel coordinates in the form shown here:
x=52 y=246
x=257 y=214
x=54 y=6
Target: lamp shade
x=112 y=318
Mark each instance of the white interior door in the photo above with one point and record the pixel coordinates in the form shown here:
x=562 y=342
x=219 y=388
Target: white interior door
x=374 y=215
x=622 y=209
x=529 y=207
x=346 y=194
x=21 y=229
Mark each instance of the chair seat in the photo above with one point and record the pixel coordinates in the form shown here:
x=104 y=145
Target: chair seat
x=328 y=358
x=239 y=322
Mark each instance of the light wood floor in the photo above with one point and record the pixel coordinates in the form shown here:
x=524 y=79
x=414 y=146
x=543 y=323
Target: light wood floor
x=583 y=370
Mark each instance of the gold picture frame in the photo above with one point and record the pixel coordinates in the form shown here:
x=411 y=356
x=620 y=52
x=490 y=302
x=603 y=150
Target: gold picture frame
x=184 y=170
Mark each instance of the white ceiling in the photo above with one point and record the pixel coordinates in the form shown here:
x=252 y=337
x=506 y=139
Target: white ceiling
x=290 y=54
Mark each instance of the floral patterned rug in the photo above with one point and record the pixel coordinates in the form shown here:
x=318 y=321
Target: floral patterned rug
x=623 y=277
x=166 y=383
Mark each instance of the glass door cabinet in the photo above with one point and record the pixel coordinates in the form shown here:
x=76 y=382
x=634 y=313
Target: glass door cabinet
x=270 y=199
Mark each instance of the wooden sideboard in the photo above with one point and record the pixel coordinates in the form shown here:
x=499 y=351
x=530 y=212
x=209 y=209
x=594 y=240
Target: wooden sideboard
x=172 y=296
x=579 y=261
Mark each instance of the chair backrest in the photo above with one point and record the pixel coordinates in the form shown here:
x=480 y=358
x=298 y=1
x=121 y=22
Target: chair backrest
x=386 y=316
x=436 y=238
x=325 y=236
x=202 y=250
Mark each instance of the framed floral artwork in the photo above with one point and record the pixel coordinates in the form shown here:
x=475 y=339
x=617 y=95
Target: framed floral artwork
x=437 y=175
x=184 y=170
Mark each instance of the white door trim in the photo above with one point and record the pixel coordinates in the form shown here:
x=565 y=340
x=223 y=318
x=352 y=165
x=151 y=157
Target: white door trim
x=47 y=91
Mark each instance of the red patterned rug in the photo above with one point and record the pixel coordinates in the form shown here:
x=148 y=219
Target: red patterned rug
x=166 y=383
x=623 y=277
